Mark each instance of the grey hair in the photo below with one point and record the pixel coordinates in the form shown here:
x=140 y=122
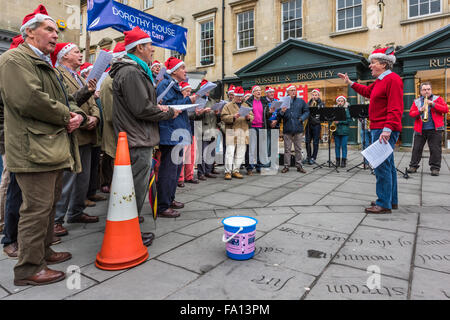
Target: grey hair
x=389 y=64
x=34 y=25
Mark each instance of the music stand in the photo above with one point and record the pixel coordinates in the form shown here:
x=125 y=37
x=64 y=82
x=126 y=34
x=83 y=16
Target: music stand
x=360 y=111
x=329 y=115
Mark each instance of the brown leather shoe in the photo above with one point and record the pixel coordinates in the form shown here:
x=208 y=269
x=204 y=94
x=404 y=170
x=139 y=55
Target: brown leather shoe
x=97 y=197
x=180 y=184
x=176 y=205
x=377 y=210
x=12 y=250
x=394 y=206
x=194 y=181
x=237 y=175
x=89 y=203
x=227 y=176
x=169 y=213
x=210 y=175
x=84 y=218
x=59 y=230
x=45 y=276
x=202 y=178
x=285 y=169
x=249 y=172
x=58 y=257
x=300 y=169
x=55 y=240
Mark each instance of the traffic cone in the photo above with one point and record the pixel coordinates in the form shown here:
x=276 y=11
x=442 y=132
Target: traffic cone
x=122 y=246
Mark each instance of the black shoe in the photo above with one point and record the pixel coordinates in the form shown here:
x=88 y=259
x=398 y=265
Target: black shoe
x=434 y=172
x=338 y=162
x=343 y=163
x=311 y=162
x=411 y=170
x=147 y=238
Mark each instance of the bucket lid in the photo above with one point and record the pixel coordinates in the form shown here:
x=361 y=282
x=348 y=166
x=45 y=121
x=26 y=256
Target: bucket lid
x=239 y=221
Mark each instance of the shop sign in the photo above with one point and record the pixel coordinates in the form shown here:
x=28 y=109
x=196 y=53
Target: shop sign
x=301 y=76
x=440 y=62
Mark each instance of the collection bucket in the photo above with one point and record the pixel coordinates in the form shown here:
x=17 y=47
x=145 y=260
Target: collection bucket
x=239 y=235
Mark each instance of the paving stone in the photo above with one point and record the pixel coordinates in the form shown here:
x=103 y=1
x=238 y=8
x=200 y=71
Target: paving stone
x=409 y=198
x=345 y=283
x=398 y=220
x=432 y=198
x=333 y=200
x=3 y=293
x=437 y=221
x=347 y=208
x=268 y=222
x=55 y=291
x=297 y=198
x=336 y=222
x=225 y=199
x=187 y=197
x=274 y=194
x=193 y=215
x=142 y=282
x=247 y=204
x=319 y=187
x=273 y=211
x=430 y=285
x=433 y=249
x=223 y=213
x=349 y=195
x=199 y=206
x=239 y=280
x=390 y=250
x=427 y=209
x=202 y=253
x=293 y=246
x=356 y=187
x=167 y=242
x=97 y=274
x=249 y=190
x=201 y=227
x=273 y=181
x=7 y=276
x=163 y=226
x=311 y=209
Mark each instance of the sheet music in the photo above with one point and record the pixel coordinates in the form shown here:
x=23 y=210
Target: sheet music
x=244 y=111
x=283 y=102
x=163 y=94
x=205 y=89
x=377 y=153
x=219 y=105
x=182 y=107
x=161 y=74
x=100 y=65
x=201 y=102
x=99 y=82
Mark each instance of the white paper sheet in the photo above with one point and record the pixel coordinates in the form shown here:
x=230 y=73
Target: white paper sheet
x=243 y=111
x=100 y=65
x=283 y=102
x=182 y=107
x=205 y=89
x=201 y=102
x=377 y=153
x=161 y=74
x=219 y=105
x=99 y=82
x=163 y=94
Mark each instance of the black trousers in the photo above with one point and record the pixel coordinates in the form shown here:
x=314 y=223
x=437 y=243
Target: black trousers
x=95 y=170
x=312 y=133
x=434 y=139
x=12 y=207
x=206 y=166
x=168 y=175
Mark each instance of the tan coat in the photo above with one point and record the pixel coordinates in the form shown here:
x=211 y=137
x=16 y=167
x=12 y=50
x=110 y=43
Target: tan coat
x=109 y=143
x=239 y=127
x=37 y=110
x=84 y=136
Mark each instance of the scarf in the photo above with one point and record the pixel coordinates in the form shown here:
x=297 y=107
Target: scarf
x=143 y=65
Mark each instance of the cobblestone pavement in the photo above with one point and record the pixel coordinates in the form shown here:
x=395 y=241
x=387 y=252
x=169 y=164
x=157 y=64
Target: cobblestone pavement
x=313 y=242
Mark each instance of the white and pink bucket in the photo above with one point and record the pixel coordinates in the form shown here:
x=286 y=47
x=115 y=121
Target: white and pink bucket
x=240 y=233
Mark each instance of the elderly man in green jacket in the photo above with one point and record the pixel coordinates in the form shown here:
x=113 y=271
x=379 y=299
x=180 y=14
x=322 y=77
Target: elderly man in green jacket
x=39 y=119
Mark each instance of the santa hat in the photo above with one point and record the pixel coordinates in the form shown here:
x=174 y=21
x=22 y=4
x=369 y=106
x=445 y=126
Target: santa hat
x=85 y=67
x=269 y=89
x=203 y=83
x=316 y=90
x=109 y=51
x=16 y=41
x=172 y=64
x=247 y=93
x=184 y=86
x=239 y=92
x=61 y=50
x=291 y=86
x=383 y=53
x=155 y=63
x=231 y=89
x=39 y=15
x=255 y=87
x=135 y=37
x=341 y=97
x=119 y=50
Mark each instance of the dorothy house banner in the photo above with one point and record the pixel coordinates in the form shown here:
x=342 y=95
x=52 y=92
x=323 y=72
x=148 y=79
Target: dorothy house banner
x=104 y=14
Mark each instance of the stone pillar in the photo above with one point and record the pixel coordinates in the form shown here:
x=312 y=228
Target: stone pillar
x=353 y=133
x=409 y=94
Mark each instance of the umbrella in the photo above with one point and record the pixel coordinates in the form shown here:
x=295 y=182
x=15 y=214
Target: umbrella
x=152 y=193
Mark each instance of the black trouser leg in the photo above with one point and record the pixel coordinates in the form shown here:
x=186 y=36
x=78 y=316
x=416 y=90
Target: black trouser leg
x=419 y=143
x=435 y=144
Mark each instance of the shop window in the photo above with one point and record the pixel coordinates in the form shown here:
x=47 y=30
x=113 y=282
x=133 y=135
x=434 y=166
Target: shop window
x=420 y=8
x=349 y=14
x=245 y=30
x=291 y=19
x=176 y=54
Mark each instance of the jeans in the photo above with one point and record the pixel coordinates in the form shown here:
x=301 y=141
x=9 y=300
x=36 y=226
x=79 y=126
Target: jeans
x=386 y=174
x=13 y=202
x=312 y=133
x=366 y=140
x=340 y=142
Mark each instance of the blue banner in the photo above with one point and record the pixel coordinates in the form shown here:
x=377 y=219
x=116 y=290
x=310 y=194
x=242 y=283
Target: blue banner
x=104 y=14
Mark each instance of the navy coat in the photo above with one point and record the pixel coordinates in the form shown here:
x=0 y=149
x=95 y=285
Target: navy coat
x=294 y=116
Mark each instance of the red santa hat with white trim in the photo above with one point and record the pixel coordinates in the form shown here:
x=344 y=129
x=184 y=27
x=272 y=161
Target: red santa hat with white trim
x=172 y=64
x=85 y=67
x=231 y=88
x=239 y=92
x=316 y=90
x=255 y=87
x=269 y=89
x=119 y=50
x=155 y=63
x=38 y=15
x=135 y=37
x=185 y=85
x=383 y=53
x=203 y=83
x=341 y=97
x=291 y=86
x=61 y=49
x=247 y=93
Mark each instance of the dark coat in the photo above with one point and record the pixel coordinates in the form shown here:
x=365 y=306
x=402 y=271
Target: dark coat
x=294 y=116
x=343 y=127
x=312 y=120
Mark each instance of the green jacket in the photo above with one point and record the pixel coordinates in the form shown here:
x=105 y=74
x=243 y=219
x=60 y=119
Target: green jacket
x=37 y=110
x=106 y=97
x=85 y=100
x=343 y=127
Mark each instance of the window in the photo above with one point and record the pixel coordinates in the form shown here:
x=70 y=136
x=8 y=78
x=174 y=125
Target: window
x=207 y=42
x=245 y=30
x=125 y=2
x=417 y=8
x=349 y=14
x=291 y=19
x=148 y=4
x=92 y=57
x=176 y=54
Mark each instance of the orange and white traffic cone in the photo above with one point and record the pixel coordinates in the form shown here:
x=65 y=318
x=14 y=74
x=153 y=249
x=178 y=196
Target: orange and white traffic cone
x=122 y=246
